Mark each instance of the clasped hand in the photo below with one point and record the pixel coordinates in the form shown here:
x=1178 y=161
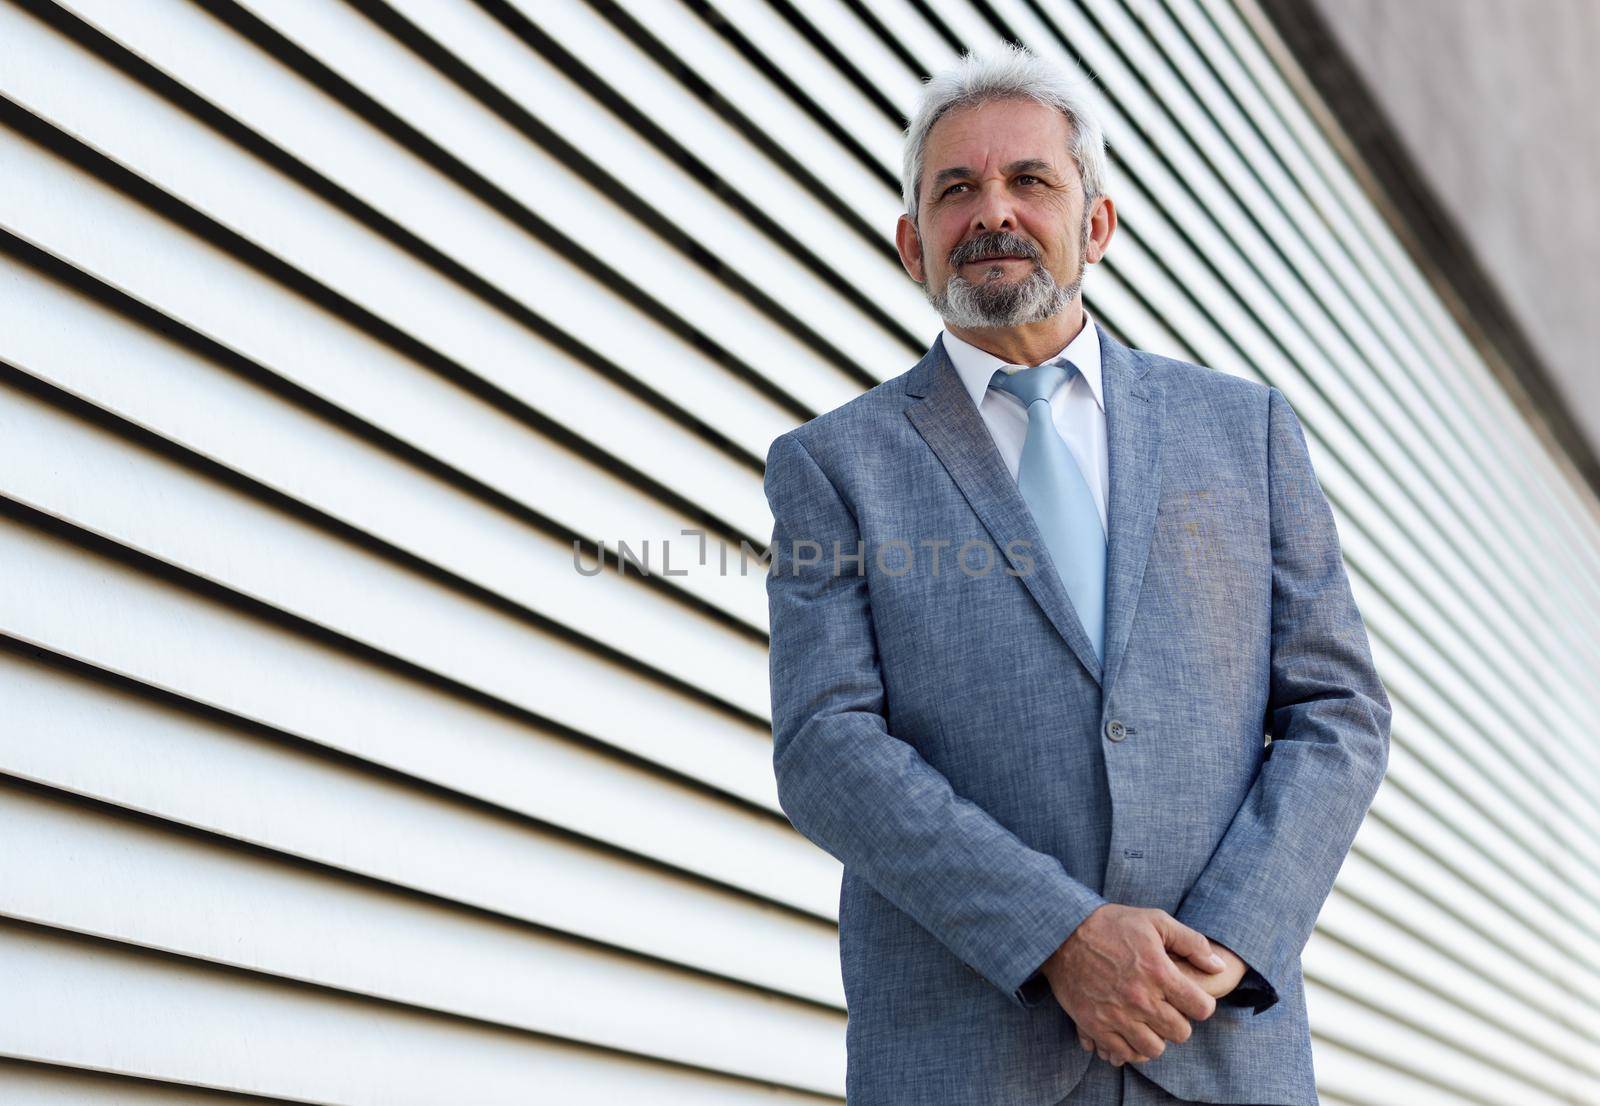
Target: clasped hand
x=1131 y=978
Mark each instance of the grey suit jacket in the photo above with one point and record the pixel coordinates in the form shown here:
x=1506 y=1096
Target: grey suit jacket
x=949 y=735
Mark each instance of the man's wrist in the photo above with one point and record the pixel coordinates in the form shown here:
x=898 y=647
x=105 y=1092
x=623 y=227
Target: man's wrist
x=1059 y=954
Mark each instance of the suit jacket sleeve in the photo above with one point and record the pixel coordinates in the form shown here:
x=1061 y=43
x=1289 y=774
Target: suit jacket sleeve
x=1328 y=715
x=868 y=797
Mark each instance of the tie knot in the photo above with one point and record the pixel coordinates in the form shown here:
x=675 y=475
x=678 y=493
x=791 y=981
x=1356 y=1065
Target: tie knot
x=1039 y=382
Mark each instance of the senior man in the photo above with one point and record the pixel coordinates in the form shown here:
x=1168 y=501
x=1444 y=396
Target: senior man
x=1066 y=670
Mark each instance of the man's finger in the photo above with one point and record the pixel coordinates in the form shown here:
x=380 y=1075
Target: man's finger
x=1145 y=1042
x=1115 y=1049
x=1188 y=943
x=1170 y=1024
x=1191 y=1000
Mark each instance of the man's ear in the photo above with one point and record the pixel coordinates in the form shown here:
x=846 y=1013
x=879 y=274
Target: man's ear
x=1102 y=224
x=909 y=243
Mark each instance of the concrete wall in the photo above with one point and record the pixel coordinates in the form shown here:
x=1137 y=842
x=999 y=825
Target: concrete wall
x=1495 y=101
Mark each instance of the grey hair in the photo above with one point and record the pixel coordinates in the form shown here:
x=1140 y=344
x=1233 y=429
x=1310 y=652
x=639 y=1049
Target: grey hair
x=1011 y=72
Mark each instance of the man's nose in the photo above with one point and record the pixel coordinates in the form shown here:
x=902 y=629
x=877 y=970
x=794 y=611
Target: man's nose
x=994 y=210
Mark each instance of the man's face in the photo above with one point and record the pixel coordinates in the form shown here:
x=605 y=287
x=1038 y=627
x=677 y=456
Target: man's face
x=1003 y=234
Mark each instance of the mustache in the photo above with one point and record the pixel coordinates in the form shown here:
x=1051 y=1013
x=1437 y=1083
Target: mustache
x=999 y=244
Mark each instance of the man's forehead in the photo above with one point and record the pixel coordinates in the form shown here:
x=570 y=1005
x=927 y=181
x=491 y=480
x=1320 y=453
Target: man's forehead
x=1008 y=137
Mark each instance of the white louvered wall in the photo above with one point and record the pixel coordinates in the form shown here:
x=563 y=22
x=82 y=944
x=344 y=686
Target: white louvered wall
x=327 y=328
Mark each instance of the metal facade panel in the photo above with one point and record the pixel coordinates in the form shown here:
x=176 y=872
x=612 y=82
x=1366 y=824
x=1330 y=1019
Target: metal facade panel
x=325 y=330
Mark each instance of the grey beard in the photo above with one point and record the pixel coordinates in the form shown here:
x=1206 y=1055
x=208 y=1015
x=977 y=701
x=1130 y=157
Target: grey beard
x=1003 y=303
x=1033 y=299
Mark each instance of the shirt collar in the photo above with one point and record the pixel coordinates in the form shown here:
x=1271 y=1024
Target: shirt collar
x=976 y=366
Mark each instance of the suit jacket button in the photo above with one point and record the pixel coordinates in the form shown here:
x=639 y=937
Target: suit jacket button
x=1115 y=730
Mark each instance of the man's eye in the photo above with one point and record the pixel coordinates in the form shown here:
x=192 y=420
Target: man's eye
x=951 y=189
x=1027 y=177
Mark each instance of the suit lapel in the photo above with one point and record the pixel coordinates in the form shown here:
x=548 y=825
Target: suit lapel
x=1134 y=407
x=953 y=429
x=947 y=420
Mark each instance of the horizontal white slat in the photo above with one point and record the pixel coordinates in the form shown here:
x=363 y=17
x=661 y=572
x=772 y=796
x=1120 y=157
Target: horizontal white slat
x=349 y=151
x=1159 y=328
x=1397 y=609
x=1443 y=639
x=203 y=54
x=304 y=686
x=165 y=388
x=80 y=735
x=215 y=294
x=1472 y=744
x=836 y=25
x=1396 y=962
x=1470 y=858
x=1345 y=1074
x=656 y=180
x=912 y=29
x=80 y=1001
x=1458 y=750
x=1511 y=960
x=146 y=502
x=1128 y=313
x=633 y=76
x=698 y=38
x=1326 y=1099
x=1464 y=1048
x=1444 y=1063
x=1456 y=729
x=98 y=480
x=968 y=26
x=1565 y=958
x=77 y=869
x=1424 y=769
x=25 y=1084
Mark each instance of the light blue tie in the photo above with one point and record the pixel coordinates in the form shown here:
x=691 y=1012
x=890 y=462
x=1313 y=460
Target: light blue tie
x=1055 y=491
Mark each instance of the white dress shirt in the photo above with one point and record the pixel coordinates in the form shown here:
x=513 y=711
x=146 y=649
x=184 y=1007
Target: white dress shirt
x=1078 y=406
